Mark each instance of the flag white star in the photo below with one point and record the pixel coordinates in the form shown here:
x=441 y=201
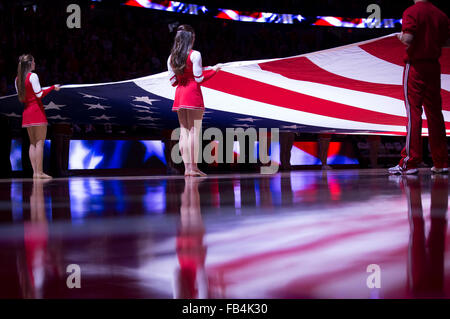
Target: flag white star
x=103 y=117
x=247 y=119
x=53 y=106
x=97 y=106
x=294 y=127
x=243 y=125
x=144 y=99
x=147 y=118
x=58 y=117
x=12 y=114
x=141 y=106
x=88 y=96
x=144 y=111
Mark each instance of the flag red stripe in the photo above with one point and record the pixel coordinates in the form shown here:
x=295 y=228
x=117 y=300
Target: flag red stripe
x=392 y=50
x=266 y=93
x=303 y=69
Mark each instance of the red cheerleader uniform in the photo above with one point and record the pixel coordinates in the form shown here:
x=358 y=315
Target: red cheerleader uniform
x=188 y=94
x=191 y=253
x=34 y=113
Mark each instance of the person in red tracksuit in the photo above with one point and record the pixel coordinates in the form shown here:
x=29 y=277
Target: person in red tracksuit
x=186 y=73
x=425 y=30
x=34 y=120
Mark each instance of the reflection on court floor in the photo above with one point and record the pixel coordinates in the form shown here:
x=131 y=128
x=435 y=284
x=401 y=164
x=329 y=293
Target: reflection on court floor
x=308 y=234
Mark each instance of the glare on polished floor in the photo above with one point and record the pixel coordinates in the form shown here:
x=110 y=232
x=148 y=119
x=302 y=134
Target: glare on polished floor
x=304 y=234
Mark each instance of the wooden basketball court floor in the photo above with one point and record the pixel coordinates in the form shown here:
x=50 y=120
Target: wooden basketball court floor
x=300 y=234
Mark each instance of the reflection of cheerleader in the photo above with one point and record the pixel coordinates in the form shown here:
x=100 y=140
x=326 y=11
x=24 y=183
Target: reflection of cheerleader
x=39 y=257
x=190 y=278
x=186 y=73
x=34 y=119
x=35 y=240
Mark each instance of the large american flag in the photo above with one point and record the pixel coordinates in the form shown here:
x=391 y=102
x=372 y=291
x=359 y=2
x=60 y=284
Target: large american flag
x=353 y=89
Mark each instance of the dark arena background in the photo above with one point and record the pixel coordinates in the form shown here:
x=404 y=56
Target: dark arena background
x=320 y=217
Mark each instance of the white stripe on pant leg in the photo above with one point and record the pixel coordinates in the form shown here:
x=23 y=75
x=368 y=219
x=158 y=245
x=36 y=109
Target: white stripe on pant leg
x=408 y=114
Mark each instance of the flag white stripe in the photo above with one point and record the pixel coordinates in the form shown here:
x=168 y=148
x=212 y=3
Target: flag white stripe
x=230 y=103
x=362 y=100
x=357 y=64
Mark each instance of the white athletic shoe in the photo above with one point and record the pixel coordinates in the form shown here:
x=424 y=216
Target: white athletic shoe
x=397 y=170
x=435 y=170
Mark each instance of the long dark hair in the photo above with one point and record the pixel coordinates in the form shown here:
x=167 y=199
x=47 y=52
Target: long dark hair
x=25 y=63
x=184 y=40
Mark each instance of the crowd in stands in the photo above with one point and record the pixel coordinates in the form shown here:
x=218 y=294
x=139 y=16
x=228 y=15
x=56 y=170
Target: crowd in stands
x=117 y=42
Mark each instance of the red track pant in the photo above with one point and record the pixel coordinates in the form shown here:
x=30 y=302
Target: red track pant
x=422 y=86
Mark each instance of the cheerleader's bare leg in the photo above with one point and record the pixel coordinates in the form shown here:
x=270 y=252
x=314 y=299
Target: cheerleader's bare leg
x=184 y=141
x=40 y=135
x=32 y=150
x=195 y=118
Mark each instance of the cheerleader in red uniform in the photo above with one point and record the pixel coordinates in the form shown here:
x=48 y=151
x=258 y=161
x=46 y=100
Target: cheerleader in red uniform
x=30 y=93
x=186 y=73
